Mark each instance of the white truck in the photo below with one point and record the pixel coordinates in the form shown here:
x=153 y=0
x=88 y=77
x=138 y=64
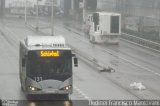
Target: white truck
x=103 y=27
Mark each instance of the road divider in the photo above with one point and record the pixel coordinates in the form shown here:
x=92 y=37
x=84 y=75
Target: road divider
x=101 y=67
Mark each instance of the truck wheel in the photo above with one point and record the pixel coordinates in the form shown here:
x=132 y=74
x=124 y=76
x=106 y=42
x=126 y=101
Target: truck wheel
x=22 y=88
x=93 y=39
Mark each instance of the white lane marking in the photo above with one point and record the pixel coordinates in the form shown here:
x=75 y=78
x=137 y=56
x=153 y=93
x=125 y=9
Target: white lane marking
x=81 y=93
x=147 y=69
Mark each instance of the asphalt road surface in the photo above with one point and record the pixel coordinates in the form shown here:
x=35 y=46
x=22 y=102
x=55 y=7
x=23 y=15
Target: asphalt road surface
x=128 y=60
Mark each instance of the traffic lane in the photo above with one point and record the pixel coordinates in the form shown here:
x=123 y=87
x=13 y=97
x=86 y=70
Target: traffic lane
x=86 y=48
x=135 y=54
x=19 y=33
x=9 y=75
x=147 y=61
x=127 y=75
x=11 y=94
x=96 y=87
x=122 y=80
x=9 y=80
x=16 y=31
x=10 y=87
x=22 y=31
x=113 y=59
x=81 y=46
x=14 y=34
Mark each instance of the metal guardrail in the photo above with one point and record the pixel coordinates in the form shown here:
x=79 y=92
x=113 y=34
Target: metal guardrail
x=146 y=43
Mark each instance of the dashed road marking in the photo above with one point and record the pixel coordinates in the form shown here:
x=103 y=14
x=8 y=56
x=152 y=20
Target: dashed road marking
x=81 y=93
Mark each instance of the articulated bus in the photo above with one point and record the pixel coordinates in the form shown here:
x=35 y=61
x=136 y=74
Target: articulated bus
x=45 y=65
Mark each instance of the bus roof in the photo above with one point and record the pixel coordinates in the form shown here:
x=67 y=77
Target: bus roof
x=45 y=42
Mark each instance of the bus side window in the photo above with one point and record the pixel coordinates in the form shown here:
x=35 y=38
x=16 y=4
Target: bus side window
x=23 y=62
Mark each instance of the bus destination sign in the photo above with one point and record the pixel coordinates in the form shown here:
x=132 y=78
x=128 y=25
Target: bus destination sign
x=49 y=53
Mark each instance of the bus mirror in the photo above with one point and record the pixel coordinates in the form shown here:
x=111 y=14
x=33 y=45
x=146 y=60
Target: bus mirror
x=73 y=55
x=75 y=62
x=23 y=62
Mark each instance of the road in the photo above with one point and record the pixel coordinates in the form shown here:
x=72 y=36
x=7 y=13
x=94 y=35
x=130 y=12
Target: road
x=89 y=83
x=133 y=63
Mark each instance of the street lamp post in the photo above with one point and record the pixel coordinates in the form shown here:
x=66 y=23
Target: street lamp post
x=52 y=20
x=37 y=26
x=84 y=10
x=25 y=11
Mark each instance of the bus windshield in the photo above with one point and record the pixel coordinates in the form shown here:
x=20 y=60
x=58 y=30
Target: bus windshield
x=45 y=68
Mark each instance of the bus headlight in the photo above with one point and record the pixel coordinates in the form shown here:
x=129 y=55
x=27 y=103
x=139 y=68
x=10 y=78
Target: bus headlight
x=34 y=88
x=66 y=88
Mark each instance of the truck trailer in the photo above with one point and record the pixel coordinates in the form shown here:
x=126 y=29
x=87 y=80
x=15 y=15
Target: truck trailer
x=103 y=27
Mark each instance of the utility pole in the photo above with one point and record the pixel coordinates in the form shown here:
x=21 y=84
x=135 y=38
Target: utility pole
x=37 y=26
x=25 y=11
x=52 y=20
x=2 y=8
x=72 y=4
x=84 y=10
